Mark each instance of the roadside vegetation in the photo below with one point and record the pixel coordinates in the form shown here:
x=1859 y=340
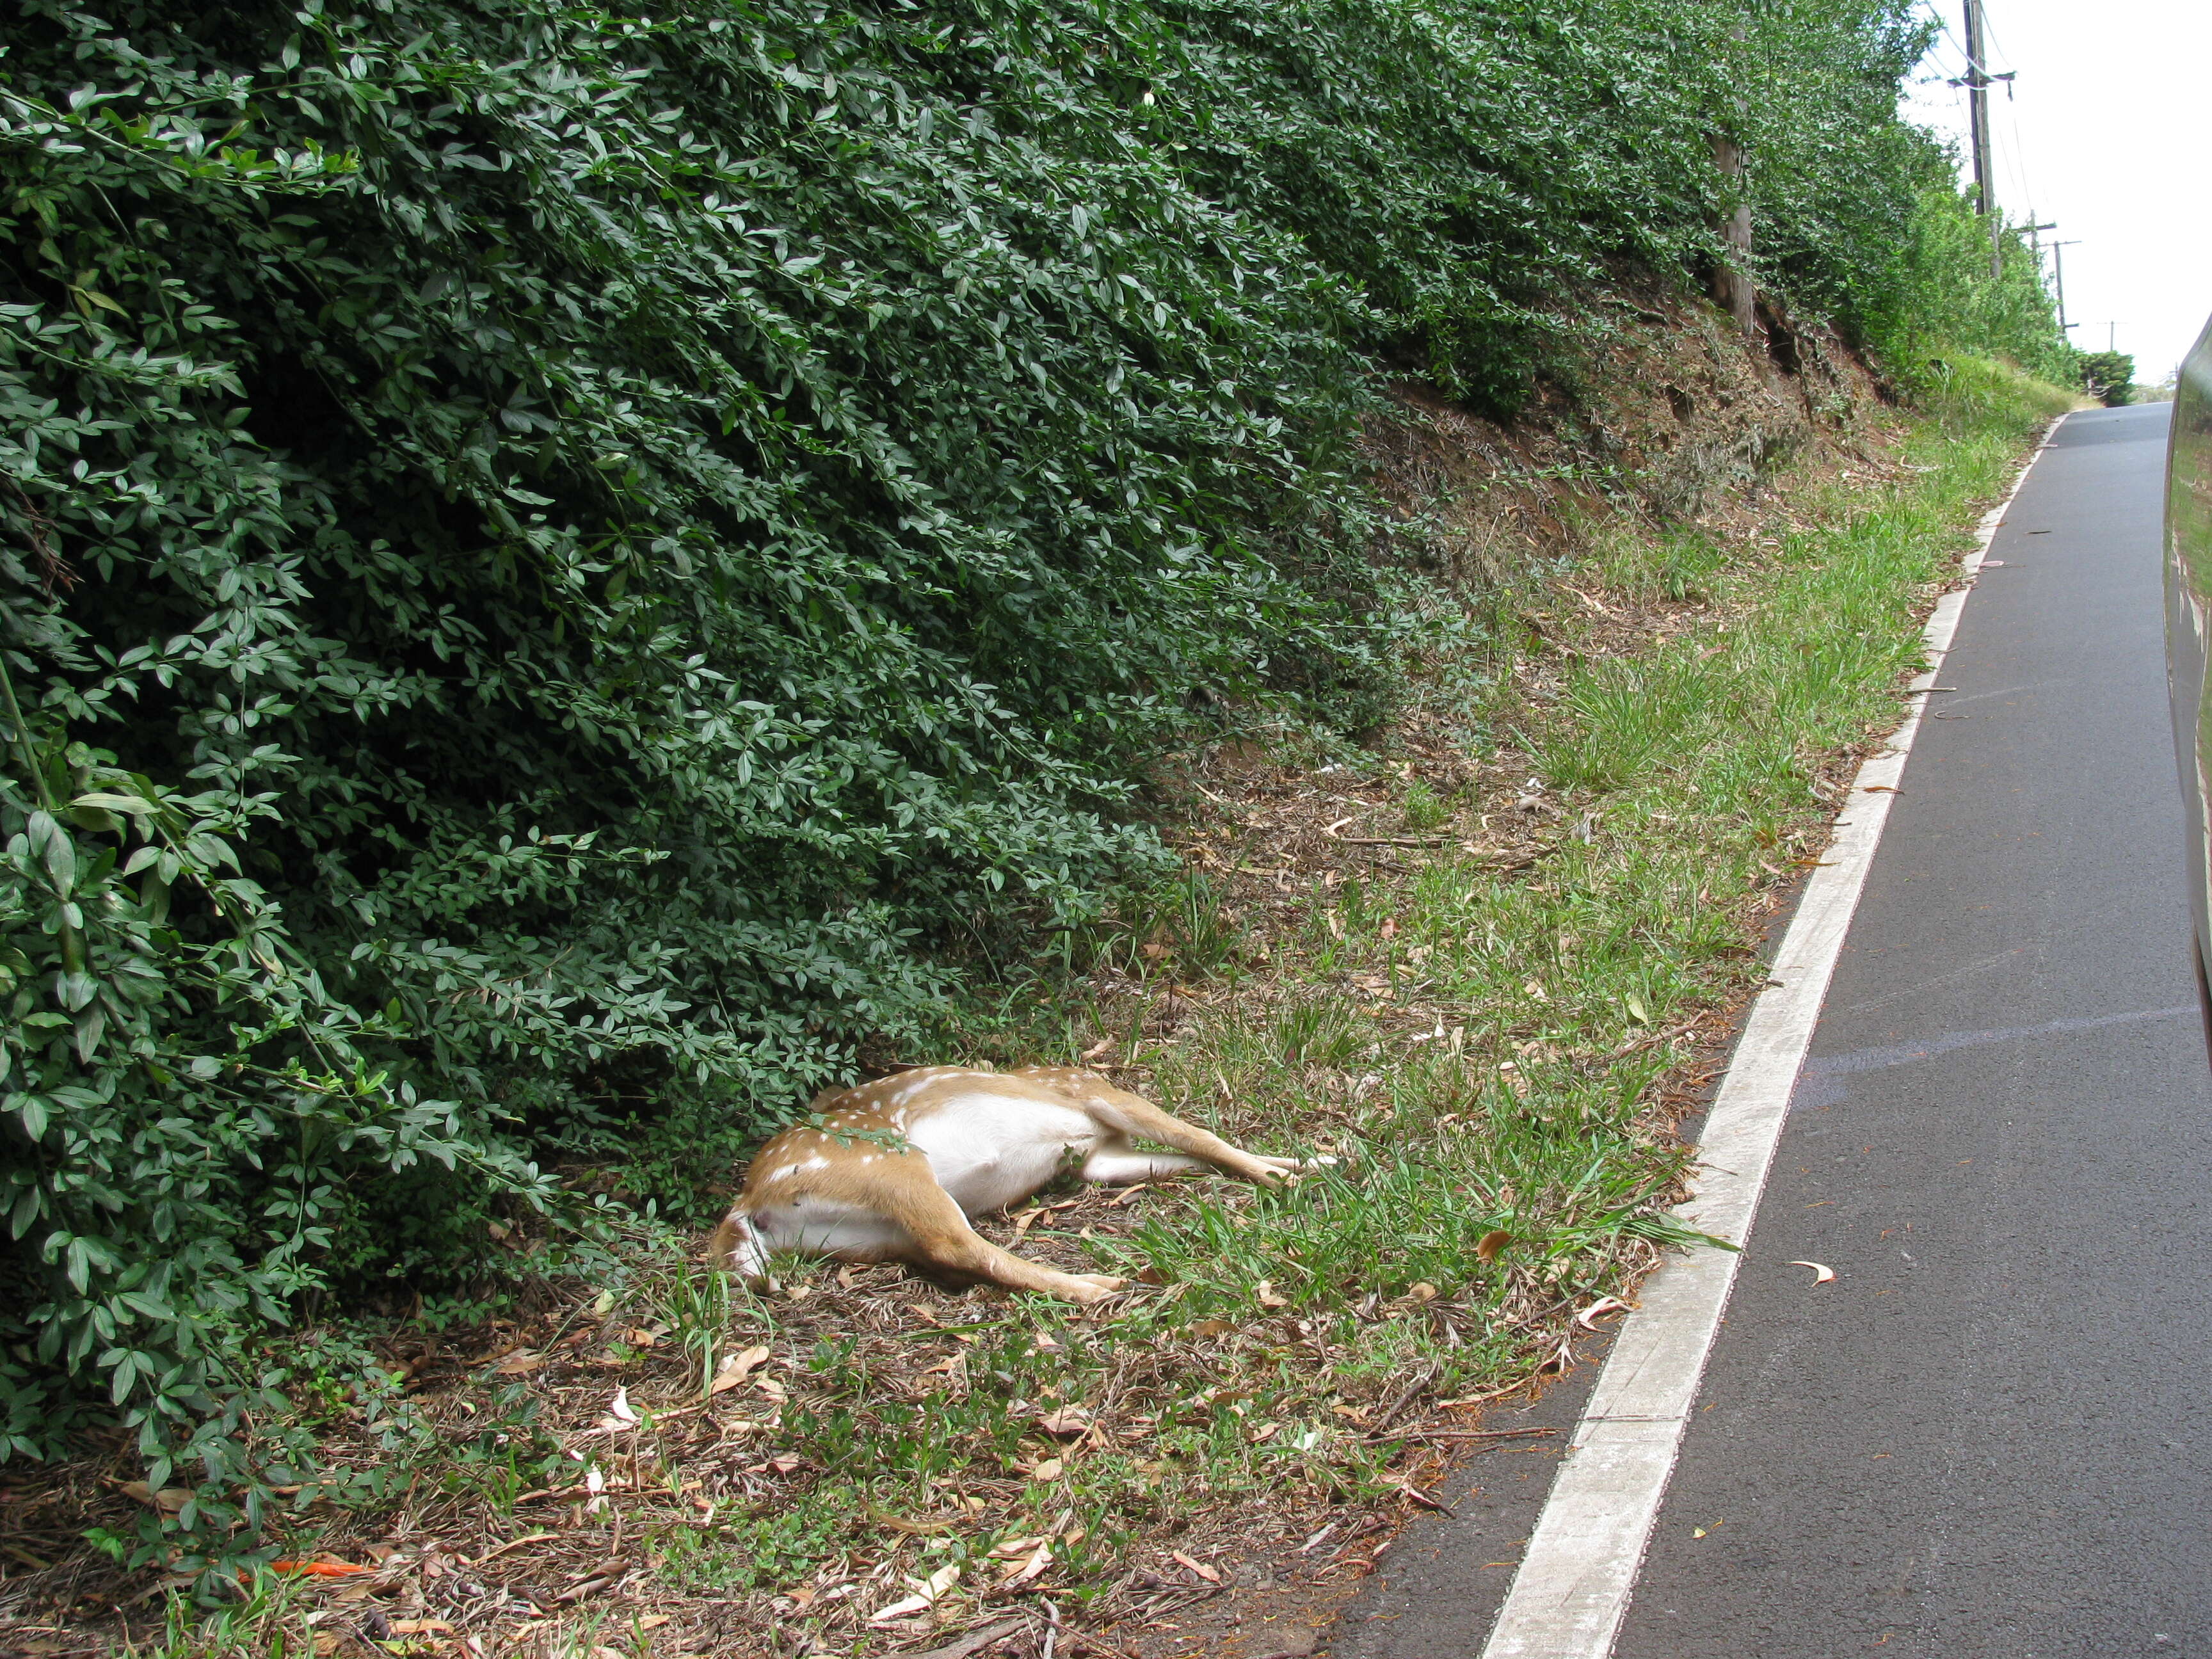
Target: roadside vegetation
x=1483 y=958
x=568 y=574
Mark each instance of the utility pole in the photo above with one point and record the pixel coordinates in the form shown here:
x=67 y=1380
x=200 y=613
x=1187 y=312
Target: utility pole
x=2058 y=260
x=1978 y=106
x=2035 y=241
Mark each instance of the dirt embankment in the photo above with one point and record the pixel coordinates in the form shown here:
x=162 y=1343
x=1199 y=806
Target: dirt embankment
x=1677 y=416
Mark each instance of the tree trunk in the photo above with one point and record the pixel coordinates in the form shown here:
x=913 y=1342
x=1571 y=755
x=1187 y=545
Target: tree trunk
x=1732 y=283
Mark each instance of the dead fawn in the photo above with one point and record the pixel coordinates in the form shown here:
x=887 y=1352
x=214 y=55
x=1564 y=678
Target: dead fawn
x=896 y=1168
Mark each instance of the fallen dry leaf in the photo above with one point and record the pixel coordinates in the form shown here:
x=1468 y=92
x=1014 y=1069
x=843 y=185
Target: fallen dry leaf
x=1264 y=1294
x=1821 y=1273
x=1491 y=1244
x=1200 y=1568
x=1066 y=1423
x=738 y=1367
x=522 y=1360
x=913 y=1529
x=168 y=1500
x=1423 y=1292
x=1039 y=1559
x=500 y=1549
x=620 y=1408
x=1588 y=1316
x=925 y=1596
x=1048 y=1470
x=420 y=1628
x=1419 y=1497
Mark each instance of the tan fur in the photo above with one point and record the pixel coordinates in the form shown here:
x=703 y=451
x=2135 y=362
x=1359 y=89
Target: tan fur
x=863 y=1187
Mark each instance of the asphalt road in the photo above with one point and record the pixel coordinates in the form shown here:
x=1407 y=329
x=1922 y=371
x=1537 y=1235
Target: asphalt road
x=1992 y=1434
x=1989 y=1434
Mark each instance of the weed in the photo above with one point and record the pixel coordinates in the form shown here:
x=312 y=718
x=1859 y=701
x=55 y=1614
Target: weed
x=267 y=1622
x=1184 y=925
x=695 y=1302
x=744 y=1552
x=1423 y=808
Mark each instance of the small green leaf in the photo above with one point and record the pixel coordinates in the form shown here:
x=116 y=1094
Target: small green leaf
x=132 y=804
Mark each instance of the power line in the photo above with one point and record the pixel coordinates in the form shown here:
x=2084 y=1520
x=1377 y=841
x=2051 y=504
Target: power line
x=1979 y=71
x=1977 y=96
x=1989 y=30
x=1994 y=49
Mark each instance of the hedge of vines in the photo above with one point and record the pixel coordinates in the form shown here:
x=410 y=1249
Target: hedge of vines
x=556 y=558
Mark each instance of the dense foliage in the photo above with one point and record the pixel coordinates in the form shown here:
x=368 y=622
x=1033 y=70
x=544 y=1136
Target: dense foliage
x=554 y=554
x=2109 y=376
x=1933 y=291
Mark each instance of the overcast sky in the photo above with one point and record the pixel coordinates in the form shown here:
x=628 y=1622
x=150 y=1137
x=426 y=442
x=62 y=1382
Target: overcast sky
x=2107 y=132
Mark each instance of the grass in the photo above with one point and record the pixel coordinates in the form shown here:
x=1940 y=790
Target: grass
x=1483 y=962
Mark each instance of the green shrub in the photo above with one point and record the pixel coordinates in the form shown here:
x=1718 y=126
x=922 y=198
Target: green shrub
x=1931 y=294
x=2109 y=376
x=562 y=562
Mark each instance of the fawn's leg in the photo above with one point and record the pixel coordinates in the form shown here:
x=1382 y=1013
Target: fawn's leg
x=1117 y=1163
x=943 y=1239
x=1138 y=1116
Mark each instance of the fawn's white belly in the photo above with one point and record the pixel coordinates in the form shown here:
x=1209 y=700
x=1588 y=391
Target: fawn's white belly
x=829 y=1226
x=989 y=1151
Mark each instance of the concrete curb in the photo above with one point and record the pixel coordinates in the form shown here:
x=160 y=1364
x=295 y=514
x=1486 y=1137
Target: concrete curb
x=1573 y=1585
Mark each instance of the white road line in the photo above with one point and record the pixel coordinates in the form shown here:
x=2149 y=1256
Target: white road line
x=1573 y=1585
